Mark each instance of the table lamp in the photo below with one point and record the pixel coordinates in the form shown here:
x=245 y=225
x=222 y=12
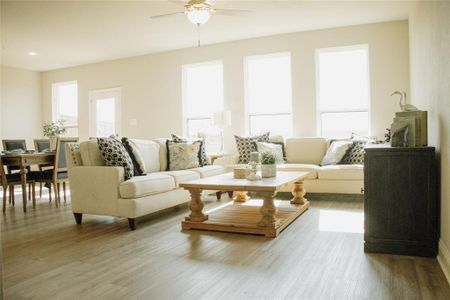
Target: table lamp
x=222 y=119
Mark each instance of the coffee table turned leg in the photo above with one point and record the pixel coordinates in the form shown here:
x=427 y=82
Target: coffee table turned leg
x=241 y=196
x=268 y=211
x=196 y=207
x=298 y=192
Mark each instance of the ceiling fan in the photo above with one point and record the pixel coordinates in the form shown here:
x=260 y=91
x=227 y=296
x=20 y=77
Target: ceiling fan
x=199 y=11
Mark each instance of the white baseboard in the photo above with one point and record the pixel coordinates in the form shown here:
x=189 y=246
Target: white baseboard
x=444 y=259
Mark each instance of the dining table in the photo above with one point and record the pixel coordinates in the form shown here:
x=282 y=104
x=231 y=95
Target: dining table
x=25 y=160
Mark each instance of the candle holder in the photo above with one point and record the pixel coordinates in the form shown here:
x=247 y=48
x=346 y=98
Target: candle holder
x=254 y=166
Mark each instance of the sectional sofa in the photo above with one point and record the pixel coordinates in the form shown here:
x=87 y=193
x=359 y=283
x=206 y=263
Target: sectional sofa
x=101 y=190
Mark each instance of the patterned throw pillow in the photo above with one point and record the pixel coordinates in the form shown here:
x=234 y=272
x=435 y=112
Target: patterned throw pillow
x=182 y=156
x=355 y=155
x=136 y=157
x=335 y=152
x=275 y=149
x=203 y=158
x=246 y=145
x=74 y=149
x=115 y=154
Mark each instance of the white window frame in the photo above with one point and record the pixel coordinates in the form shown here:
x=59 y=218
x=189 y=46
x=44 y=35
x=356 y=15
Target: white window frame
x=184 y=90
x=55 y=102
x=95 y=95
x=246 y=90
x=320 y=112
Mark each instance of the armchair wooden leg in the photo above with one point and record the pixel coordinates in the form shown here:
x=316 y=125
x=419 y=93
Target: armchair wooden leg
x=50 y=192
x=11 y=194
x=40 y=189
x=29 y=191
x=4 y=198
x=64 y=191
x=78 y=217
x=219 y=195
x=33 y=185
x=230 y=194
x=58 y=196
x=56 y=187
x=132 y=223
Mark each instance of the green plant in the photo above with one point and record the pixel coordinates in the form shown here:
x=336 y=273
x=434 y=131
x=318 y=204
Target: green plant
x=52 y=129
x=267 y=158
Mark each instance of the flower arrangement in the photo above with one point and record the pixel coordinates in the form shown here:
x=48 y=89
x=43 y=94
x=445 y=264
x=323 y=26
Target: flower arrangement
x=268 y=158
x=53 y=129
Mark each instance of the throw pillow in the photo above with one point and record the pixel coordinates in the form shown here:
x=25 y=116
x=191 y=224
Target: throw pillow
x=182 y=156
x=203 y=157
x=136 y=157
x=335 y=152
x=279 y=140
x=355 y=155
x=246 y=145
x=74 y=149
x=275 y=149
x=115 y=154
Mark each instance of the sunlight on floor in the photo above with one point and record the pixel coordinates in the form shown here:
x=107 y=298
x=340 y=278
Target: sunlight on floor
x=341 y=221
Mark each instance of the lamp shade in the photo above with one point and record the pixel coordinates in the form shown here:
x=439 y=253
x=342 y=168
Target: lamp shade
x=222 y=118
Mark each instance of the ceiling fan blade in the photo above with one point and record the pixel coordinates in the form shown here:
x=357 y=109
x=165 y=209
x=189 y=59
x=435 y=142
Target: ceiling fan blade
x=167 y=15
x=179 y=2
x=231 y=12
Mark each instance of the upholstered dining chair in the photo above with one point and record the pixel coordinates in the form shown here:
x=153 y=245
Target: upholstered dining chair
x=41 y=145
x=58 y=174
x=10 y=145
x=11 y=180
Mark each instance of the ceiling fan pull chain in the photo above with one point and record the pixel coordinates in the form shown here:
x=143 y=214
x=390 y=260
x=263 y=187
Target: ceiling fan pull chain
x=198 y=35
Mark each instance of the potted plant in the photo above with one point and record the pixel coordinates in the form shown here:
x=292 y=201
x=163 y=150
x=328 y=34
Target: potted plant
x=53 y=130
x=268 y=165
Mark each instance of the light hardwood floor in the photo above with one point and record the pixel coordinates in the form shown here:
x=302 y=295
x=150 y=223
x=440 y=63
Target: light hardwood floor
x=319 y=256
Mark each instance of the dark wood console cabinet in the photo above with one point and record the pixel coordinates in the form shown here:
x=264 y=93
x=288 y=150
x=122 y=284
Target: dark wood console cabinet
x=401 y=211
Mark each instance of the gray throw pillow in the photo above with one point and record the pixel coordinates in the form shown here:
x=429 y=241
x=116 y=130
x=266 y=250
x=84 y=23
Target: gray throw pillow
x=136 y=157
x=335 y=152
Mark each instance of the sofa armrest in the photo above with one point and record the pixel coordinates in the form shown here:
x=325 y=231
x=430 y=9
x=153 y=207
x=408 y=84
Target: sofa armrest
x=227 y=160
x=95 y=190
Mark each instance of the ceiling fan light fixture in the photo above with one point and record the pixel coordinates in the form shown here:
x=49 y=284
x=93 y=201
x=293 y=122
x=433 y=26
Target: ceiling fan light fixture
x=198 y=16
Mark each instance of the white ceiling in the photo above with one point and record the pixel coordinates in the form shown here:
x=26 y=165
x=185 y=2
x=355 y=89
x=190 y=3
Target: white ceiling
x=80 y=32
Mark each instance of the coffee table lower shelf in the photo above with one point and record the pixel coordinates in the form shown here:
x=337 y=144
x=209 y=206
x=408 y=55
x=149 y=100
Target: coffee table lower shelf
x=244 y=217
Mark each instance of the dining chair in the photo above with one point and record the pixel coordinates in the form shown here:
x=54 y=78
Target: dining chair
x=58 y=174
x=10 y=145
x=41 y=145
x=11 y=180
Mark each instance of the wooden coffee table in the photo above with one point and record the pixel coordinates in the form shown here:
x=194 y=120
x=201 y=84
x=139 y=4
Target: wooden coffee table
x=244 y=215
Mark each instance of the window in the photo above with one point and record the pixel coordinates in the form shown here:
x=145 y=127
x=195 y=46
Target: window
x=268 y=94
x=65 y=105
x=105 y=112
x=202 y=96
x=343 y=91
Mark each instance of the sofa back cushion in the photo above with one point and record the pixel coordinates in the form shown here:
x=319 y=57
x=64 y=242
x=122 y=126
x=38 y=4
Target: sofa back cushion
x=162 y=153
x=149 y=151
x=90 y=154
x=305 y=150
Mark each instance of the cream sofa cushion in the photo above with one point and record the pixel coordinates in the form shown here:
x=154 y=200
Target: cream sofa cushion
x=342 y=172
x=149 y=151
x=210 y=170
x=162 y=153
x=312 y=169
x=90 y=154
x=182 y=176
x=152 y=183
x=305 y=150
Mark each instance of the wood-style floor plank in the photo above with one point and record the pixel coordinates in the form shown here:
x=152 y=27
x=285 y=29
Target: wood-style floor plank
x=47 y=256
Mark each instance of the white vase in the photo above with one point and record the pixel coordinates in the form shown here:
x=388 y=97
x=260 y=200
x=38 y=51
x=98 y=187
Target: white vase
x=269 y=171
x=53 y=140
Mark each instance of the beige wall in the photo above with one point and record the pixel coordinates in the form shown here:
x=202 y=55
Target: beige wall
x=430 y=88
x=151 y=84
x=21 y=106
